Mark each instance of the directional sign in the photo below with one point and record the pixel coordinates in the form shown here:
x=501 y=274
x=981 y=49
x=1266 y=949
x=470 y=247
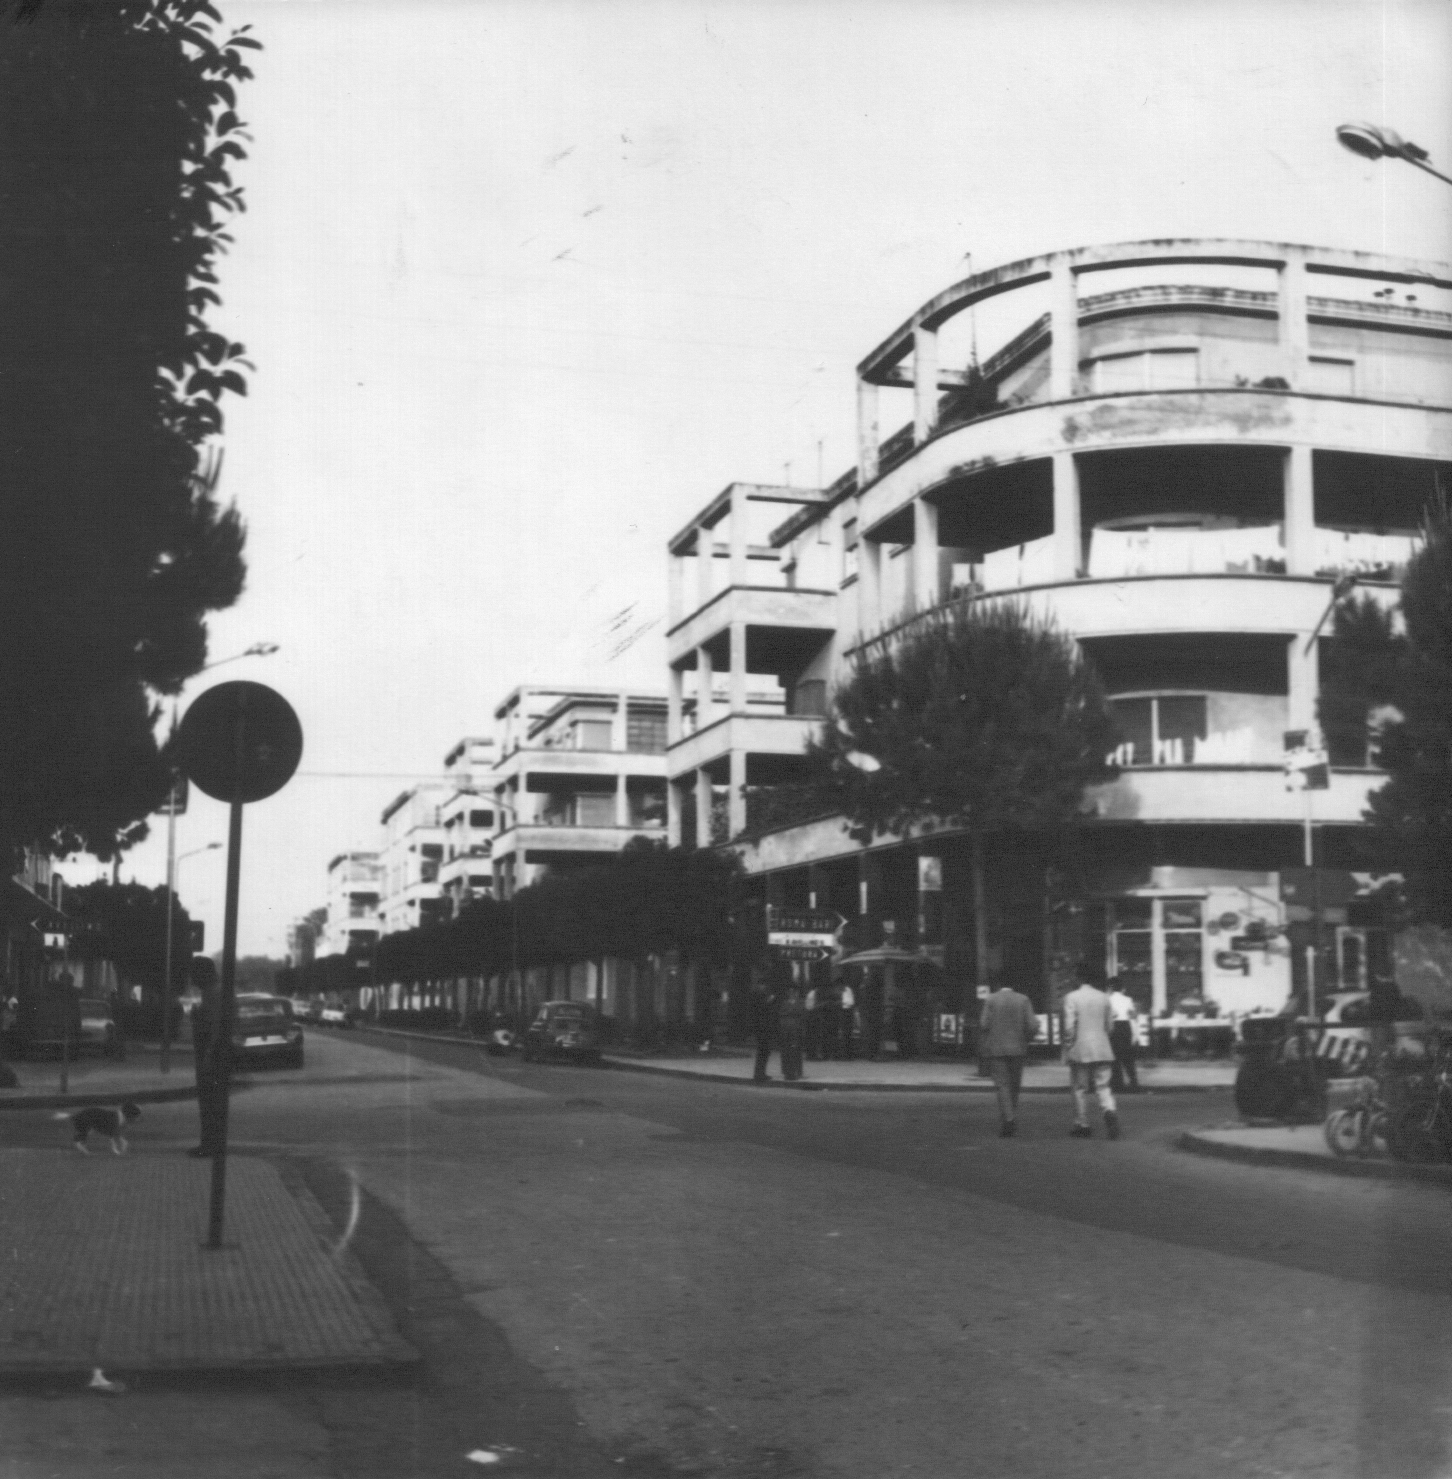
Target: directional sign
x=803 y=929
x=801 y=952
x=804 y=921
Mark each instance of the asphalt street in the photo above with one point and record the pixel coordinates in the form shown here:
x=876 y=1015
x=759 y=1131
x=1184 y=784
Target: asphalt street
x=614 y=1273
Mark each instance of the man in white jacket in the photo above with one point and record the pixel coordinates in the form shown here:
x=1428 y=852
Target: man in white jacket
x=1088 y=1021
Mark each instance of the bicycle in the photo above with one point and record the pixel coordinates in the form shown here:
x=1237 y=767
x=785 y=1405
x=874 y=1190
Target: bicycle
x=1362 y=1127
x=1420 y=1130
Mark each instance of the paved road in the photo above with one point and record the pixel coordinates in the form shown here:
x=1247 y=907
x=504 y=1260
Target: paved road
x=615 y=1273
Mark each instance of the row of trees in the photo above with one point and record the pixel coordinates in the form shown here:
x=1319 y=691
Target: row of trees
x=121 y=131
x=648 y=900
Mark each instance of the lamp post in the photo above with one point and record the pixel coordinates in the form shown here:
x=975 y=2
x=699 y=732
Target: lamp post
x=1373 y=141
x=257 y=649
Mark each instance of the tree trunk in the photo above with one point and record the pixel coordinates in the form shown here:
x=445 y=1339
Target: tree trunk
x=980 y=915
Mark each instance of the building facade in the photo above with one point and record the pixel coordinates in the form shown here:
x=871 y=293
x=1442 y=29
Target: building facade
x=1180 y=452
x=354 y=916
x=468 y=821
x=411 y=857
x=579 y=773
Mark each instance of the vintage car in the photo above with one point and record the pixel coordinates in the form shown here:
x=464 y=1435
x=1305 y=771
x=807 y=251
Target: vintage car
x=265 y=1033
x=563 y=1029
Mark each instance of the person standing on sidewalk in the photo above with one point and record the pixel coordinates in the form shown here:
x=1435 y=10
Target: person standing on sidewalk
x=1088 y=1020
x=1005 y=1029
x=1124 y=1078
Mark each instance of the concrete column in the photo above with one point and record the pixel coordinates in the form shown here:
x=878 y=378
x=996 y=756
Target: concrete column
x=1302 y=675
x=1294 y=335
x=675 y=698
x=736 y=802
x=622 y=802
x=675 y=592
x=925 y=382
x=867 y=441
x=673 y=813
x=1300 y=513
x=925 y=554
x=1064 y=332
x=703 y=808
x=1068 y=523
x=705 y=685
x=737 y=702
x=737 y=532
x=705 y=554
x=869 y=585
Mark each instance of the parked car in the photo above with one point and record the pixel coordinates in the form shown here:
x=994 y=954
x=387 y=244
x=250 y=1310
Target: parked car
x=335 y=1017
x=99 y=1030
x=563 y=1029
x=266 y=1033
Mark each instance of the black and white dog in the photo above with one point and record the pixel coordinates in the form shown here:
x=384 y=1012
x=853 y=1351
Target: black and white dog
x=103 y=1121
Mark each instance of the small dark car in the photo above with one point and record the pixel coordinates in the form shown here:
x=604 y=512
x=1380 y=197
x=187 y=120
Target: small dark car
x=265 y=1033
x=563 y=1029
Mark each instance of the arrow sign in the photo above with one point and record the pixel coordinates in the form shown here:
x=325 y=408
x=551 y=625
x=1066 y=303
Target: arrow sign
x=803 y=921
x=801 y=952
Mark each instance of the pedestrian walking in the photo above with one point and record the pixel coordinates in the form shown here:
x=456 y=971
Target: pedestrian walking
x=791 y=1030
x=1006 y=1026
x=1124 y=1077
x=846 y=1022
x=1088 y=1019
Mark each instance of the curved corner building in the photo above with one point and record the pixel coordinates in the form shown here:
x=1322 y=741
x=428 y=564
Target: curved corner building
x=1174 y=448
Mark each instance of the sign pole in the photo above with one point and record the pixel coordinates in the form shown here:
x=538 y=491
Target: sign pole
x=227 y=1012
x=165 y=1064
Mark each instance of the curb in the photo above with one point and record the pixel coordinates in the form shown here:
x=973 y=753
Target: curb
x=1254 y=1155
x=79 y=1099
x=635 y=1065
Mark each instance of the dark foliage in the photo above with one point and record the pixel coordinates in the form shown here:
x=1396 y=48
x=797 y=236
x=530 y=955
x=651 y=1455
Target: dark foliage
x=125 y=923
x=120 y=128
x=649 y=899
x=1415 y=805
x=1360 y=672
x=980 y=718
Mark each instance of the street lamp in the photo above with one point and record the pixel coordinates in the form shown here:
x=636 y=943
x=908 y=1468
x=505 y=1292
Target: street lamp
x=257 y=649
x=1372 y=141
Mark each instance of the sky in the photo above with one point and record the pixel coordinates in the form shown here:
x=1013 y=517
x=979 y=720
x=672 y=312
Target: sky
x=527 y=282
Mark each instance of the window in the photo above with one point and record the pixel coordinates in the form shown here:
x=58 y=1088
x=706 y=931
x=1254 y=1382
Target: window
x=428 y=872
x=849 y=549
x=645 y=732
x=1159 y=730
x=809 y=698
x=592 y=734
x=481 y=818
x=1151 y=369
x=1331 y=376
x=433 y=851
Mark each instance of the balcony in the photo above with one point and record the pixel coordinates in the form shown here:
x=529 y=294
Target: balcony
x=753 y=734
x=1254 y=794
x=755 y=606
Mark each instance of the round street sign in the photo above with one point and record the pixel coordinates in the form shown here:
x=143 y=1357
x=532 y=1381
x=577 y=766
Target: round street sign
x=240 y=742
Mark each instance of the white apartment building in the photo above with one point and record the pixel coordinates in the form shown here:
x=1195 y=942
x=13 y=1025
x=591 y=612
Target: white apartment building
x=579 y=772
x=411 y=856
x=354 y=915
x=1174 y=450
x=465 y=872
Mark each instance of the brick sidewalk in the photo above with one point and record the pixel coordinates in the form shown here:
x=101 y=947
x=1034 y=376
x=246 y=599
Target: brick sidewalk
x=107 y=1268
